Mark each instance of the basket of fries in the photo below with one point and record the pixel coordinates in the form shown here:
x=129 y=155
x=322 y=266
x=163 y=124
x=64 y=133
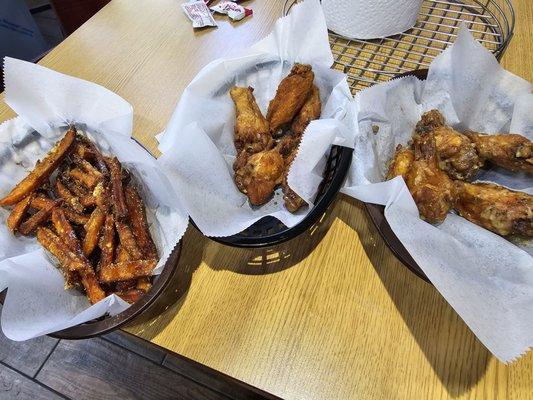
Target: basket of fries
x=86 y=212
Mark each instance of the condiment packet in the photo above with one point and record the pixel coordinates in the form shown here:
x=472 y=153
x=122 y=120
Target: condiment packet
x=233 y=10
x=198 y=13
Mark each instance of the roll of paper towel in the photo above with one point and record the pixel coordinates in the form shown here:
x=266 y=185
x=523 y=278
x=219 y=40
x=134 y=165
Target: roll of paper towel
x=368 y=19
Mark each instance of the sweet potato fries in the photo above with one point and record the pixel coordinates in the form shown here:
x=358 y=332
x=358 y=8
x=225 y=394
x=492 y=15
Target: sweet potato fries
x=85 y=209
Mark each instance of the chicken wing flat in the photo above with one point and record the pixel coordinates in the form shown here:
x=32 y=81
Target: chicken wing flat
x=511 y=151
x=309 y=112
x=260 y=175
x=288 y=145
x=251 y=128
x=495 y=208
x=456 y=153
x=401 y=163
x=431 y=188
x=290 y=97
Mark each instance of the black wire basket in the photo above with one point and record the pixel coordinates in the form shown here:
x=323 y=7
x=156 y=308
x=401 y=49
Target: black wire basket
x=269 y=231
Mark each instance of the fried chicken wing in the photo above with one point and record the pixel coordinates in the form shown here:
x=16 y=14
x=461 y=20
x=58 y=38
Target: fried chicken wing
x=401 y=163
x=456 y=153
x=292 y=201
x=431 y=188
x=510 y=151
x=428 y=122
x=495 y=208
x=260 y=175
x=291 y=95
x=251 y=128
x=309 y=112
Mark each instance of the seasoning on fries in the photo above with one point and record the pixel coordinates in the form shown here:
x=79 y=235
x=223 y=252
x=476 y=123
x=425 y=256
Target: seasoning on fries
x=89 y=216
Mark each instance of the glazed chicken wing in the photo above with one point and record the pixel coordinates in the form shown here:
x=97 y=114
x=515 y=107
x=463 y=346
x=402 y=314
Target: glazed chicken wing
x=456 y=153
x=401 y=163
x=495 y=208
x=290 y=97
x=251 y=128
x=260 y=175
x=431 y=188
x=511 y=151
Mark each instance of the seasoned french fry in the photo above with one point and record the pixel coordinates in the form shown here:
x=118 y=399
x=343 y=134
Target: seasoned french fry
x=15 y=218
x=92 y=229
x=70 y=200
x=74 y=217
x=100 y=196
x=65 y=231
x=88 y=200
x=69 y=260
x=122 y=254
x=42 y=170
x=89 y=181
x=138 y=222
x=73 y=186
x=131 y=296
x=128 y=240
x=127 y=270
x=144 y=284
x=119 y=203
x=94 y=154
x=87 y=167
x=83 y=151
x=107 y=242
x=40 y=201
x=124 y=286
x=38 y=218
x=92 y=286
x=72 y=262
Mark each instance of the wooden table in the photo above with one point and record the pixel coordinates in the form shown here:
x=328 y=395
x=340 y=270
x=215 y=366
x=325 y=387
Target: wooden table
x=330 y=315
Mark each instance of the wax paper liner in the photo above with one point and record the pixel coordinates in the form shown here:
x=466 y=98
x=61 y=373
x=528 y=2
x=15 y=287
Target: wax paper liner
x=47 y=102
x=487 y=279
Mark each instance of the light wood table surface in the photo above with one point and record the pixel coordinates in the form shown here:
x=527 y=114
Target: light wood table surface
x=329 y=315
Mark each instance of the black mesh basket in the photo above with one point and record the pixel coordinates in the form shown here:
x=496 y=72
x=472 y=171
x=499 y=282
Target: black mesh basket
x=269 y=231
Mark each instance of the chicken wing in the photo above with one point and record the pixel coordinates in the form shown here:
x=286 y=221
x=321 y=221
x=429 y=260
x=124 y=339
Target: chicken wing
x=456 y=153
x=309 y=112
x=401 y=163
x=429 y=121
x=511 y=151
x=290 y=97
x=251 y=128
x=293 y=202
x=260 y=175
x=431 y=188
x=495 y=208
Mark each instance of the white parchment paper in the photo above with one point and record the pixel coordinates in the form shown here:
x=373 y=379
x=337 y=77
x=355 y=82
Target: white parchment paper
x=46 y=102
x=198 y=141
x=485 y=278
